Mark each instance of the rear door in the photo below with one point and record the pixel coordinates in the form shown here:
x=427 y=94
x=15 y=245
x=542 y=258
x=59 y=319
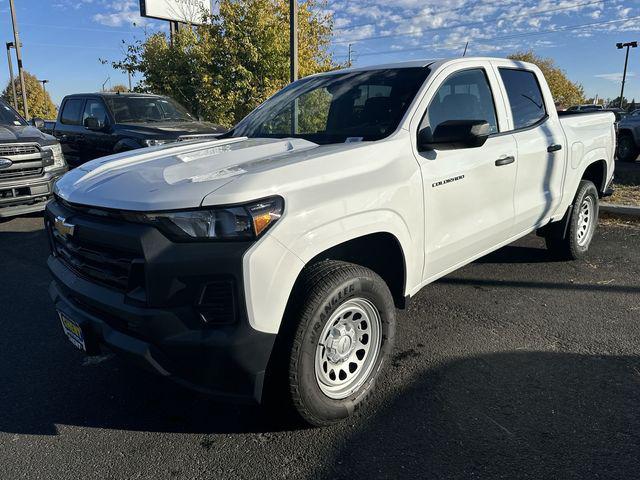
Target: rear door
x=541 y=151
x=69 y=129
x=468 y=192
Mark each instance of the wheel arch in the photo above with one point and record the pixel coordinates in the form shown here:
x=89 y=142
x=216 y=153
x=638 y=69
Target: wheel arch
x=380 y=252
x=596 y=172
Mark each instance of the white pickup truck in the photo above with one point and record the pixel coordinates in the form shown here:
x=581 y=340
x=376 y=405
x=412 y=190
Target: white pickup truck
x=270 y=263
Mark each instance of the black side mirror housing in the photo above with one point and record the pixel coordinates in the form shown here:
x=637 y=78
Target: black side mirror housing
x=38 y=123
x=454 y=134
x=92 y=123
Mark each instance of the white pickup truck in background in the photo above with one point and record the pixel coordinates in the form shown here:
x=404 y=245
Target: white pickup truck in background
x=269 y=263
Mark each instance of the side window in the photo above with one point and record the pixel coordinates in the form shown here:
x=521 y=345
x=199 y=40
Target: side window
x=465 y=95
x=525 y=97
x=71 y=111
x=95 y=108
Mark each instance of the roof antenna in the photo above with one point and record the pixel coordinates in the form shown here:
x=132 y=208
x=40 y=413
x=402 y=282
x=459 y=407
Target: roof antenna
x=465 y=49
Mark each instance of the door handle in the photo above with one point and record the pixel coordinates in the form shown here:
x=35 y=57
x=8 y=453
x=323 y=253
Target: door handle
x=554 y=148
x=505 y=160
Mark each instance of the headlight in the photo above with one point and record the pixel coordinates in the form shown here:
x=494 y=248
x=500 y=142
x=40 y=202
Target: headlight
x=153 y=142
x=58 y=157
x=243 y=222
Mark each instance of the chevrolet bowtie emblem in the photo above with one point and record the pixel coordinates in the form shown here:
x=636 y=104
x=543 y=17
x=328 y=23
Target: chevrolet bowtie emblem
x=65 y=229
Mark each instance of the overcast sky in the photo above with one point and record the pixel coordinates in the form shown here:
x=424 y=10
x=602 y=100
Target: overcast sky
x=64 y=39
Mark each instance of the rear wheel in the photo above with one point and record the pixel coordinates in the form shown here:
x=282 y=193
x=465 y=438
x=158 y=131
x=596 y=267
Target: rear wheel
x=627 y=150
x=344 y=332
x=582 y=225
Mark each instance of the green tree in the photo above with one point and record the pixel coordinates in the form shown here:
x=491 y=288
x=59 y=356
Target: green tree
x=119 y=89
x=564 y=91
x=38 y=100
x=224 y=69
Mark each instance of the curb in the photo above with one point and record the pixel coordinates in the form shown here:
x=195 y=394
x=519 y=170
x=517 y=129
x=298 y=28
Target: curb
x=624 y=210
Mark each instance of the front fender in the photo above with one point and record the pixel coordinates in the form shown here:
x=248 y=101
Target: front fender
x=271 y=269
x=126 y=144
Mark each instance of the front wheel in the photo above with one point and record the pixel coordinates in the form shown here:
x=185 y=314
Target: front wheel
x=344 y=333
x=582 y=225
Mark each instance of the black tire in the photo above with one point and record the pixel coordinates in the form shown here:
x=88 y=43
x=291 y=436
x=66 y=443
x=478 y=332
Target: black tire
x=627 y=150
x=323 y=288
x=571 y=247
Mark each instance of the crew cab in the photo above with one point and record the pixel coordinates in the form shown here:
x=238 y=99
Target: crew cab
x=268 y=265
x=30 y=163
x=98 y=124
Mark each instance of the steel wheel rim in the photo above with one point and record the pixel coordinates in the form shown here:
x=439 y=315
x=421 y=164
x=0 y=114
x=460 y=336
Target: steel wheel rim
x=585 y=221
x=348 y=348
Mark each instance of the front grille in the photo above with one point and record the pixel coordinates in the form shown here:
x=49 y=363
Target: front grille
x=28 y=161
x=108 y=266
x=13 y=149
x=25 y=172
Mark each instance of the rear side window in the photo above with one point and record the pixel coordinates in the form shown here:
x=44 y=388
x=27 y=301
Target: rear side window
x=525 y=97
x=71 y=111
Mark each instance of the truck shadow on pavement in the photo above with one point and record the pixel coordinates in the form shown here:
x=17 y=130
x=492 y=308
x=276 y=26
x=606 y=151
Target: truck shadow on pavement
x=504 y=415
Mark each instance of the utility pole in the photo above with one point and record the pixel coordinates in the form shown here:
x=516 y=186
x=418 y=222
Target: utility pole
x=293 y=59
x=349 y=55
x=13 y=84
x=16 y=43
x=293 y=39
x=620 y=46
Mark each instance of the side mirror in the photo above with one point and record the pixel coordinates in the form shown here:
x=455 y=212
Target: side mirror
x=38 y=123
x=454 y=134
x=92 y=123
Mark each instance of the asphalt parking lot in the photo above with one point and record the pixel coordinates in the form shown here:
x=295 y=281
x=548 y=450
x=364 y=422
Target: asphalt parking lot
x=513 y=367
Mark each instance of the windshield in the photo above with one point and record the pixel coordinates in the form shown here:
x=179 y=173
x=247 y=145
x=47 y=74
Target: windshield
x=8 y=116
x=127 y=109
x=337 y=108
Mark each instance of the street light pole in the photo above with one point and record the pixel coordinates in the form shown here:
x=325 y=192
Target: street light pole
x=43 y=85
x=620 y=46
x=13 y=84
x=16 y=43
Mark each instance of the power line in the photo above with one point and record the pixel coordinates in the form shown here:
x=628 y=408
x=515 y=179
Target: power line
x=460 y=25
x=504 y=37
x=85 y=29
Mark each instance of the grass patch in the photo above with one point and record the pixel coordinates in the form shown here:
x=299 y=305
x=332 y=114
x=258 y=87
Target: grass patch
x=625 y=195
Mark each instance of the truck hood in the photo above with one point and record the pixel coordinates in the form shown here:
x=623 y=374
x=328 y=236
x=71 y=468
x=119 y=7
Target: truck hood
x=23 y=133
x=169 y=129
x=174 y=176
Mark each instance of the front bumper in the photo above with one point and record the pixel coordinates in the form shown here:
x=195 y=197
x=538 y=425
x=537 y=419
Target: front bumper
x=158 y=323
x=22 y=196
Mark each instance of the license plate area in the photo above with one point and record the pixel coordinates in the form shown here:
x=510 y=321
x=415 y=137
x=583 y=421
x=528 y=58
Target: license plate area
x=73 y=331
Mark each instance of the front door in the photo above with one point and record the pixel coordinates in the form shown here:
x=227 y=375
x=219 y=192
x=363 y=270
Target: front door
x=468 y=191
x=96 y=142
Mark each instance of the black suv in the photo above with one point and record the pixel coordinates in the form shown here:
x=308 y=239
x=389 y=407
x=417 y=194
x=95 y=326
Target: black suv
x=97 y=124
